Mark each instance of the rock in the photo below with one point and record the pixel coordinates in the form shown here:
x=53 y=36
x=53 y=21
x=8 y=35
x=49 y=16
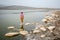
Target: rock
x=42 y=36
x=43 y=28
x=53 y=15
x=47 y=16
x=27 y=23
x=11 y=34
x=45 y=20
x=51 y=28
x=11 y=27
x=36 y=31
x=23 y=32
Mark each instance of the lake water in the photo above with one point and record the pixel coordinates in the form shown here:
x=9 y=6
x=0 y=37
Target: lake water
x=12 y=18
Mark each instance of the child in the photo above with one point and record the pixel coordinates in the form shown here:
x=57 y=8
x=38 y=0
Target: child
x=22 y=17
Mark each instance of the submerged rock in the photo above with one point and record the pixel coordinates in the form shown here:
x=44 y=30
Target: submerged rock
x=27 y=23
x=11 y=27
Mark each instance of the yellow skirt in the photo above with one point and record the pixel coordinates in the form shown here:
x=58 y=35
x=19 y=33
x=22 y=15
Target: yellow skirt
x=21 y=19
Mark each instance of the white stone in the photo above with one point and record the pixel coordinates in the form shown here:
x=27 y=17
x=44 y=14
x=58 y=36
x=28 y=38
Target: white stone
x=27 y=23
x=42 y=36
x=47 y=16
x=53 y=15
x=11 y=27
x=36 y=31
x=11 y=34
x=51 y=28
x=45 y=20
x=24 y=32
x=50 y=18
x=43 y=28
x=57 y=16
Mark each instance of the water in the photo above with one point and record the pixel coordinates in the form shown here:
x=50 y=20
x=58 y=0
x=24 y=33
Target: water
x=12 y=18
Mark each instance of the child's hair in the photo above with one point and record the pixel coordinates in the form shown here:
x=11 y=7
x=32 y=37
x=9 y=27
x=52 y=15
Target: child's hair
x=21 y=12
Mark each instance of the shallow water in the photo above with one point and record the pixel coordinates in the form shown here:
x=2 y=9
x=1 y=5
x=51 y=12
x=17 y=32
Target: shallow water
x=12 y=18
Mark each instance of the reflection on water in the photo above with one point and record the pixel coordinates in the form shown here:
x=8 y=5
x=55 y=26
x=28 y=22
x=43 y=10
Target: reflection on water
x=8 y=18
